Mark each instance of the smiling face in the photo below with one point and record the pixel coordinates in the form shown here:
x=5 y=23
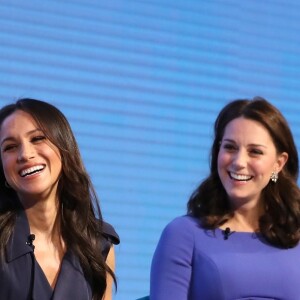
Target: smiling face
x=31 y=163
x=246 y=160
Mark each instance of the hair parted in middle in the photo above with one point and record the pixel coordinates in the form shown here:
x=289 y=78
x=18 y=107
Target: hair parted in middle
x=79 y=211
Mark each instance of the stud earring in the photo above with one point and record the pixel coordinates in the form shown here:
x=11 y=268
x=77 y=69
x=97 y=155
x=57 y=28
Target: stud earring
x=274 y=176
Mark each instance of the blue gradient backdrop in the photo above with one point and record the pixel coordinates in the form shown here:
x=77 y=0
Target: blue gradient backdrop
x=141 y=83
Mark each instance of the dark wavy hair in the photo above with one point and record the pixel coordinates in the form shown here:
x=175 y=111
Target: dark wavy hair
x=280 y=223
x=79 y=211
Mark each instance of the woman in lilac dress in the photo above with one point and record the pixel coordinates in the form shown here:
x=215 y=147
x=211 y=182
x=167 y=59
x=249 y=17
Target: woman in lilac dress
x=240 y=237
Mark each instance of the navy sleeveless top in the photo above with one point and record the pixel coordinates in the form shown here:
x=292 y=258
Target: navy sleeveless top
x=21 y=277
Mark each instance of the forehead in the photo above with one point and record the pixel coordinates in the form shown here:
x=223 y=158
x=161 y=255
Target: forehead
x=247 y=130
x=18 y=120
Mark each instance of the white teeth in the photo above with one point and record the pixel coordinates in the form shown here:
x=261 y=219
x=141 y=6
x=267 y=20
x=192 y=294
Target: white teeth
x=240 y=176
x=31 y=170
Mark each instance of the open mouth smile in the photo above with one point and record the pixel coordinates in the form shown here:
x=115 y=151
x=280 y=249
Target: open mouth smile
x=31 y=170
x=239 y=177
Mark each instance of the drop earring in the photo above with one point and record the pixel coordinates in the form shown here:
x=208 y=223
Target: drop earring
x=274 y=176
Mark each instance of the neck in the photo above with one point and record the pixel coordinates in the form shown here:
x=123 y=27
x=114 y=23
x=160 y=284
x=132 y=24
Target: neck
x=244 y=219
x=241 y=223
x=44 y=223
x=42 y=218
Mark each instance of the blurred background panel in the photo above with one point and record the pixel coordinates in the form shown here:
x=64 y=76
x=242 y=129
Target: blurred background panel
x=141 y=83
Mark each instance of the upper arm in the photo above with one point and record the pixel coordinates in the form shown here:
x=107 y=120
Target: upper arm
x=110 y=261
x=172 y=262
x=110 y=237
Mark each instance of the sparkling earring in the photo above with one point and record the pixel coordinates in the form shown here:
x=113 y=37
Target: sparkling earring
x=274 y=176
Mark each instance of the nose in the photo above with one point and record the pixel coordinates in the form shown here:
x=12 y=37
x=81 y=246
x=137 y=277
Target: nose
x=26 y=152
x=240 y=159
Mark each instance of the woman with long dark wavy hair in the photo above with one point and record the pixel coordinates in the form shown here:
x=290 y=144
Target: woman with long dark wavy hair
x=240 y=236
x=53 y=241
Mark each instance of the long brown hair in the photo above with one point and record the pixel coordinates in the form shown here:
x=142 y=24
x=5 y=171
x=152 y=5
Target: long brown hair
x=280 y=223
x=80 y=214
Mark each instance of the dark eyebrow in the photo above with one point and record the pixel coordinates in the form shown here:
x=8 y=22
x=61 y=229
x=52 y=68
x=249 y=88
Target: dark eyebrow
x=10 y=138
x=251 y=145
x=228 y=140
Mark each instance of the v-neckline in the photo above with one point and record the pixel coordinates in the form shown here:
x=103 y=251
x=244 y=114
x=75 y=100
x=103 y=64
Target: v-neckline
x=41 y=271
x=43 y=280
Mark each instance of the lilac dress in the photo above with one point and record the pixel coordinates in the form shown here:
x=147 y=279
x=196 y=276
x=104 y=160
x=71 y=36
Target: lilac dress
x=197 y=264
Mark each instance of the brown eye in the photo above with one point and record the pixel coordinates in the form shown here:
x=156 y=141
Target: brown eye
x=256 y=151
x=9 y=147
x=229 y=147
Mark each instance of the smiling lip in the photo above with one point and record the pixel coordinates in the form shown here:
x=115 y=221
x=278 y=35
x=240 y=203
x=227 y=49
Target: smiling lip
x=31 y=170
x=239 y=177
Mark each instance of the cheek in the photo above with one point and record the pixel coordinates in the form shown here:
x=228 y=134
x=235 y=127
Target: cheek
x=223 y=160
x=8 y=169
x=6 y=163
x=56 y=160
x=264 y=169
x=221 y=166
x=261 y=168
x=51 y=153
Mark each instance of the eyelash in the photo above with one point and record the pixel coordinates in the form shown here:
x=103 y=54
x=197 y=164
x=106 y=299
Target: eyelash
x=232 y=148
x=34 y=139
x=38 y=138
x=229 y=147
x=8 y=147
x=257 y=152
